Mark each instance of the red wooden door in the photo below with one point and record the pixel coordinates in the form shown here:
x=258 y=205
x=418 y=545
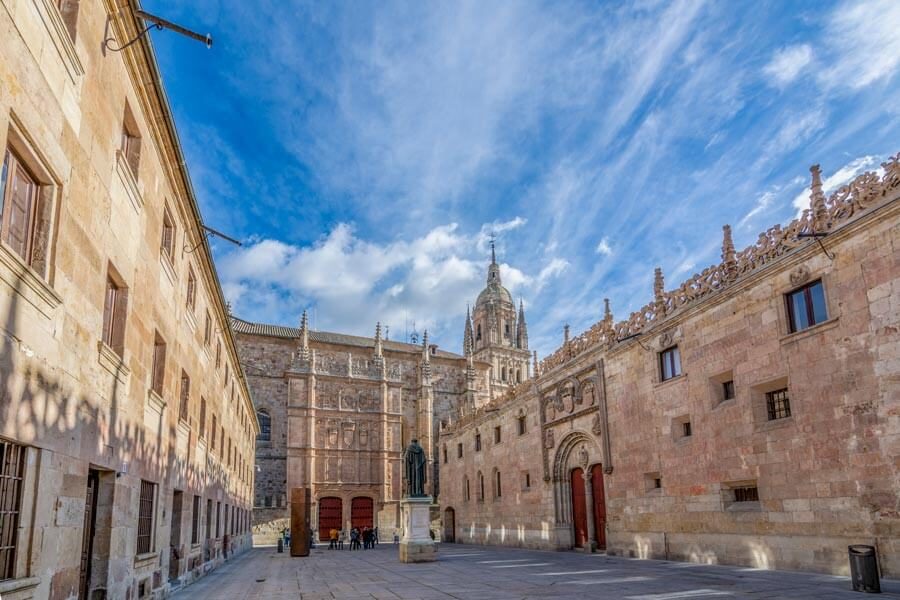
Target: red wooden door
x=330 y=516
x=579 y=509
x=361 y=513
x=599 y=505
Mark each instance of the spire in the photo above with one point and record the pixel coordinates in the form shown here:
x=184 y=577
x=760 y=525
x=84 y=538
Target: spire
x=304 y=336
x=379 y=349
x=658 y=288
x=728 y=258
x=494 y=268
x=468 y=335
x=607 y=315
x=817 y=201
x=521 y=328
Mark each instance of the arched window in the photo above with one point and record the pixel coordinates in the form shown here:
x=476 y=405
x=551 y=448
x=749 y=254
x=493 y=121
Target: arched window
x=478 y=332
x=497 y=489
x=480 y=487
x=518 y=375
x=503 y=373
x=466 y=494
x=265 y=425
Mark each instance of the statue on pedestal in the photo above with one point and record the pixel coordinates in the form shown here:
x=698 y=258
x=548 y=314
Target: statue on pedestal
x=414 y=463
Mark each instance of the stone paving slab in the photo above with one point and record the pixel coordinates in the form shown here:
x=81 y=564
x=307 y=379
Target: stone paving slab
x=465 y=572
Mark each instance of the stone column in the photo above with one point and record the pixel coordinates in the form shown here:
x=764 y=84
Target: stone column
x=591 y=544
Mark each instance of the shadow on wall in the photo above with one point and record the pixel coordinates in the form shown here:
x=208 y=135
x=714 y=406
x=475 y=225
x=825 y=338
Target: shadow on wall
x=40 y=407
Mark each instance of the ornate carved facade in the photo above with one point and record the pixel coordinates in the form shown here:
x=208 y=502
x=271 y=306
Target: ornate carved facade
x=748 y=416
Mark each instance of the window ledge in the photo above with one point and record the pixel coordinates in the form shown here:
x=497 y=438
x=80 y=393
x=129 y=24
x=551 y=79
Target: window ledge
x=724 y=403
x=112 y=362
x=146 y=559
x=156 y=401
x=670 y=381
x=19 y=585
x=123 y=169
x=36 y=291
x=744 y=507
x=61 y=39
x=775 y=423
x=685 y=439
x=183 y=426
x=809 y=331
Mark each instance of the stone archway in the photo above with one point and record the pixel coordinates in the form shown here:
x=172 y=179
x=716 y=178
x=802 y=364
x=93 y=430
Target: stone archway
x=449 y=525
x=575 y=455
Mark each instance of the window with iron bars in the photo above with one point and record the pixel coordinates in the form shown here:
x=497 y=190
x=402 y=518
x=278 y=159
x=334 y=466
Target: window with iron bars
x=746 y=494
x=12 y=466
x=778 y=404
x=145 y=517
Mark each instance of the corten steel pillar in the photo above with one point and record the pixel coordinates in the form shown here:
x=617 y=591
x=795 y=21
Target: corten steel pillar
x=591 y=543
x=300 y=522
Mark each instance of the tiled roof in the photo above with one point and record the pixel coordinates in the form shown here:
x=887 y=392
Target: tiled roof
x=327 y=337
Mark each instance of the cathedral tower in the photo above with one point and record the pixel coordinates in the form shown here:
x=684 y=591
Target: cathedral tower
x=495 y=334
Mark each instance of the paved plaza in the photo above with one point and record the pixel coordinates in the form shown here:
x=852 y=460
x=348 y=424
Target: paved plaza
x=491 y=573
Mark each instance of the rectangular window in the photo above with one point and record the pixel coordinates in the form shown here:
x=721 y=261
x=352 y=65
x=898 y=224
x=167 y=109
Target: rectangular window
x=218 y=353
x=778 y=404
x=669 y=363
x=222 y=442
x=184 y=397
x=527 y=480
x=522 y=425
x=686 y=429
x=806 y=306
x=12 y=471
x=445 y=453
x=728 y=390
x=19 y=197
x=218 y=519
x=497 y=434
x=68 y=9
x=477 y=442
x=167 y=245
x=191 y=296
x=499 y=488
x=459 y=450
x=195 y=521
x=158 y=374
x=202 y=424
x=131 y=141
x=746 y=494
x=209 y=517
x=207 y=330
x=467 y=490
x=212 y=433
x=145 y=517
x=114 y=311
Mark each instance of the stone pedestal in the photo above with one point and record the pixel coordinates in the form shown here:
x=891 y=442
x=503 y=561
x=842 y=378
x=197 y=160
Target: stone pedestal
x=416 y=544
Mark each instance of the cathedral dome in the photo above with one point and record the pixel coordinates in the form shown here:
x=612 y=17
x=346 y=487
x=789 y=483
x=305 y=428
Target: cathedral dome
x=494 y=292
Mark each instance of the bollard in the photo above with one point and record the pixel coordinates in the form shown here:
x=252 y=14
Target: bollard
x=864 y=569
x=280 y=545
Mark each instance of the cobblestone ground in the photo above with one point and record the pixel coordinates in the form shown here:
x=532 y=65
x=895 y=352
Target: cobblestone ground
x=490 y=573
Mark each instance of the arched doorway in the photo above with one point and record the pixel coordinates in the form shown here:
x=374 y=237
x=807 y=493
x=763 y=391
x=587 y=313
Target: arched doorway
x=330 y=511
x=599 y=506
x=450 y=525
x=579 y=508
x=361 y=512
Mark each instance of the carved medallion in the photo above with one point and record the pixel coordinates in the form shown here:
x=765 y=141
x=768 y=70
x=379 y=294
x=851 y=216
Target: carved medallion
x=666 y=339
x=349 y=430
x=800 y=275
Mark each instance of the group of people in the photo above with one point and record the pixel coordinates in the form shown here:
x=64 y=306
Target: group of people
x=366 y=538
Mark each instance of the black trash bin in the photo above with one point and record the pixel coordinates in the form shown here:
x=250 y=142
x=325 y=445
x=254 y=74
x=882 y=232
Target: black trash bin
x=280 y=545
x=864 y=569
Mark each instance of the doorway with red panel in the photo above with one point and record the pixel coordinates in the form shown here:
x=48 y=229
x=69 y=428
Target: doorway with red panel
x=362 y=513
x=579 y=507
x=330 y=516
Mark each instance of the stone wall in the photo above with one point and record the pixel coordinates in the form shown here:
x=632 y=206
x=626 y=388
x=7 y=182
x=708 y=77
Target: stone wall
x=83 y=406
x=825 y=477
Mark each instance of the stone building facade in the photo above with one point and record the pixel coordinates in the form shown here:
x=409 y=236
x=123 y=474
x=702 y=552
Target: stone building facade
x=127 y=434
x=749 y=416
x=336 y=412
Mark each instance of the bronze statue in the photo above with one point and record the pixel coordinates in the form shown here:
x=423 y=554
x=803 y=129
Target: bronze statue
x=414 y=462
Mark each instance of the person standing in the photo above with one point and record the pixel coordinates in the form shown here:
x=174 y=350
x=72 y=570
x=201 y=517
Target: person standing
x=333 y=538
x=342 y=535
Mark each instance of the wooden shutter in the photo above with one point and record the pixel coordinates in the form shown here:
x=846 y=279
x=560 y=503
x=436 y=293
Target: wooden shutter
x=159 y=366
x=19 y=208
x=121 y=305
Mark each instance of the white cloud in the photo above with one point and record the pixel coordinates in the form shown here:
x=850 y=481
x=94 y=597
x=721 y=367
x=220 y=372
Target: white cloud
x=787 y=63
x=762 y=203
x=863 y=37
x=842 y=176
x=353 y=282
x=603 y=247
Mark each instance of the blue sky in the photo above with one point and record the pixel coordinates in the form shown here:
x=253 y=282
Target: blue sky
x=364 y=150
